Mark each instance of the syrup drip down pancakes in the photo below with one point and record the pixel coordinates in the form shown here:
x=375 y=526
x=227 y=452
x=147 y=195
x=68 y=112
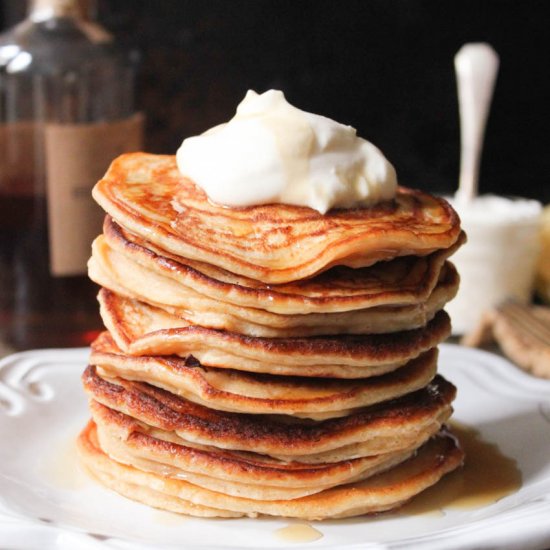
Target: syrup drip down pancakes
x=267 y=359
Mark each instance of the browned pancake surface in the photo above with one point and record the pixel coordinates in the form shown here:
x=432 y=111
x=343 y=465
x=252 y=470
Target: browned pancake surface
x=139 y=329
x=404 y=280
x=378 y=493
x=239 y=391
x=384 y=427
x=129 y=278
x=272 y=243
x=228 y=471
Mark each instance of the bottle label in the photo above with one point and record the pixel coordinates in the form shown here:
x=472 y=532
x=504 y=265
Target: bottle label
x=77 y=156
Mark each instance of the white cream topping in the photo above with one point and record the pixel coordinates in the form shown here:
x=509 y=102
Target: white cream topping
x=272 y=152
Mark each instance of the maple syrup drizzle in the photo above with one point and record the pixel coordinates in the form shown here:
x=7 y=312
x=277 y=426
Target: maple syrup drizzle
x=486 y=477
x=298 y=532
x=168 y=519
x=62 y=468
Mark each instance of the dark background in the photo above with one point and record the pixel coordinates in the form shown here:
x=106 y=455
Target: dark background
x=383 y=66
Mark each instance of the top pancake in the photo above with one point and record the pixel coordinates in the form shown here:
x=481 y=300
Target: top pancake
x=272 y=243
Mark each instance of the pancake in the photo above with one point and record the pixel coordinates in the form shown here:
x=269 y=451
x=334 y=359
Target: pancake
x=238 y=391
x=391 y=426
x=139 y=329
x=402 y=281
x=235 y=473
x=273 y=243
x=378 y=493
x=128 y=278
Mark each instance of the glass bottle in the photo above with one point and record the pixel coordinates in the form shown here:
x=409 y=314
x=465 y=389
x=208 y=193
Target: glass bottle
x=66 y=110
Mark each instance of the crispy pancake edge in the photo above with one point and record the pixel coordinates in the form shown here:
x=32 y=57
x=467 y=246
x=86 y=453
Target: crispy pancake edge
x=268 y=434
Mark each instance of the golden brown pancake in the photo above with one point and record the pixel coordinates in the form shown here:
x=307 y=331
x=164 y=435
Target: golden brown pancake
x=139 y=329
x=273 y=243
x=134 y=484
x=269 y=359
x=130 y=279
x=402 y=281
x=238 y=391
x=391 y=426
x=378 y=493
x=235 y=473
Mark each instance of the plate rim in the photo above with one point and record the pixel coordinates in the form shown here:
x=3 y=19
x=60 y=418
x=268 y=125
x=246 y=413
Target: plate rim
x=524 y=383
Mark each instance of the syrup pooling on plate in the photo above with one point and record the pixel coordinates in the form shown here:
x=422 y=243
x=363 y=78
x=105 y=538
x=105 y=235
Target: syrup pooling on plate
x=486 y=477
x=61 y=467
x=298 y=532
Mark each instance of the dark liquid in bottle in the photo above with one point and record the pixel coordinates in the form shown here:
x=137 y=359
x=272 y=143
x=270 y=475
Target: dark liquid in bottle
x=37 y=309
x=66 y=110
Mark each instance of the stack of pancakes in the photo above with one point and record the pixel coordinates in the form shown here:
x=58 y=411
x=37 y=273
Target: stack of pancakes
x=270 y=359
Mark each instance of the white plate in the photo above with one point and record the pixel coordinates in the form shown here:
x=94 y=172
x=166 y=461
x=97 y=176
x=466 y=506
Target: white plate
x=46 y=501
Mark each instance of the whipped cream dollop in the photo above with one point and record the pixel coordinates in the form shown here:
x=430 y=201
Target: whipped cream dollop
x=273 y=152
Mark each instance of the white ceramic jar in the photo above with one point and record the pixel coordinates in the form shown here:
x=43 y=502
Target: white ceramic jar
x=499 y=259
